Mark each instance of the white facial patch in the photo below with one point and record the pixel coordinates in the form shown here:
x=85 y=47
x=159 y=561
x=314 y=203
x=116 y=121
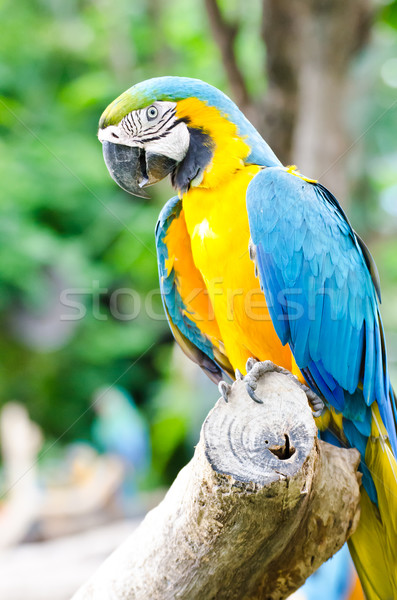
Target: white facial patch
x=173 y=145
x=154 y=128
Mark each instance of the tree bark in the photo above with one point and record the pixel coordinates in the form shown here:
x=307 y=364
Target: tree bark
x=224 y=34
x=281 y=27
x=259 y=507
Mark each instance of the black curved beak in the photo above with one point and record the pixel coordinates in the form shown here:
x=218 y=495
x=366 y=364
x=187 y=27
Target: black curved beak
x=133 y=169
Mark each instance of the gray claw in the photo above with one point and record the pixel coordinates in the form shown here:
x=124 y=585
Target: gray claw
x=316 y=404
x=317 y=413
x=251 y=378
x=250 y=363
x=317 y=408
x=238 y=374
x=251 y=393
x=224 y=389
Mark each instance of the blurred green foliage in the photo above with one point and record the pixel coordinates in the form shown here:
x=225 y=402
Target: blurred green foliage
x=64 y=225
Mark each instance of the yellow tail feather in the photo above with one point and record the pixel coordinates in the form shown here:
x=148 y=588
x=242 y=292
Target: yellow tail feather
x=374 y=544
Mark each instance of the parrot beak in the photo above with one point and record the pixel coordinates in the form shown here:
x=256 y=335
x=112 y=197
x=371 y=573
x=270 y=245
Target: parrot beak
x=134 y=169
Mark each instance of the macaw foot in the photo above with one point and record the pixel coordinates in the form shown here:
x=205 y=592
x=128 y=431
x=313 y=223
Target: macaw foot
x=317 y=405
x=256 y=369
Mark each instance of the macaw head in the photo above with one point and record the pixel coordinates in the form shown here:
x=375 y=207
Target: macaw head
x=180 y=127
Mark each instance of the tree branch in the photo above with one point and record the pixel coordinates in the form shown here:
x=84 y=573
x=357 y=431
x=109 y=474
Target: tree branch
x=224 y=35
x=260 y=506
x=281 y=33
x=310 y=46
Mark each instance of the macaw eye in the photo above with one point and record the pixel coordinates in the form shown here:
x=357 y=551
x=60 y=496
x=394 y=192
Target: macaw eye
x=151 y=113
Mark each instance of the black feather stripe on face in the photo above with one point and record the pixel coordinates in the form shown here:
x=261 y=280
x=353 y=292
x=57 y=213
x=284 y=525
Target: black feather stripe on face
x=199 y=155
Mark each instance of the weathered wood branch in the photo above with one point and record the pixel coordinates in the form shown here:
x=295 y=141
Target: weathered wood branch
x=259 y=507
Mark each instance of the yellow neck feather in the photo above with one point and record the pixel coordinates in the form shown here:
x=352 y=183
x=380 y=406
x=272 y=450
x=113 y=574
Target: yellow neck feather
x=230 y=149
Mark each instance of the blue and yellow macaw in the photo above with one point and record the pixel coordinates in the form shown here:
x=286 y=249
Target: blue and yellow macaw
x=312 y=309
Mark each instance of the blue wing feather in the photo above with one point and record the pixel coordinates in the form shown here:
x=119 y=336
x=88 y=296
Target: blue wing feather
x=321 y=284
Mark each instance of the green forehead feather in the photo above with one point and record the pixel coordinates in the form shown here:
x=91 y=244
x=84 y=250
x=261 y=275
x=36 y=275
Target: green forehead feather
x=124 y=104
